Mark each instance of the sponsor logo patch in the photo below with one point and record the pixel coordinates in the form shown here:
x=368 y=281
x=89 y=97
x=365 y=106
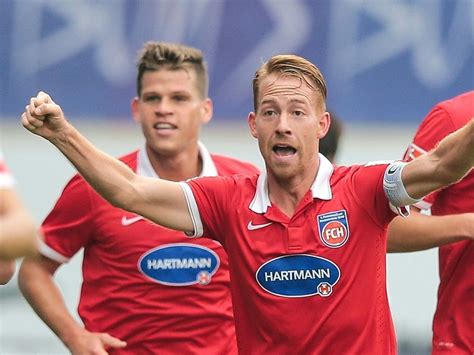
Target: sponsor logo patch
x=333 y=228
x=299 y=275
x=179 y=264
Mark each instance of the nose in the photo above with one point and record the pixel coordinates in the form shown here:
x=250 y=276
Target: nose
x=164 y=107
x=283 y=125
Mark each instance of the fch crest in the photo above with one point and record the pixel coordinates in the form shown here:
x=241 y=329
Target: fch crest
x=333 y=228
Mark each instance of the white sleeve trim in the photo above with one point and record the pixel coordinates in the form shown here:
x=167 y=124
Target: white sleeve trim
x=193 y=211
x=52 y=254
x=423 y=205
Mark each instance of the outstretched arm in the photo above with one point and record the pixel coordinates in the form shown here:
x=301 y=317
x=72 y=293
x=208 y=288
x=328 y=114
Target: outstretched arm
x=419 y=232
x=450 y=161
x=158 y=200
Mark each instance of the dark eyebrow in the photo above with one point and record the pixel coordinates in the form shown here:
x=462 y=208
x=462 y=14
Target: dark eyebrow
x=183 y=93
x=148 y=93
x=154 y=93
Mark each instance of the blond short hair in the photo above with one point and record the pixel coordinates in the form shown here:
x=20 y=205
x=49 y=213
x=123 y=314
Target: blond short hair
x=289 y=64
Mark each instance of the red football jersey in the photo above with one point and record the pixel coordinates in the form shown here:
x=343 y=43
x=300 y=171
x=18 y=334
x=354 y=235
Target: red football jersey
x=147 y=285
x=314 y=283
x=453 y=325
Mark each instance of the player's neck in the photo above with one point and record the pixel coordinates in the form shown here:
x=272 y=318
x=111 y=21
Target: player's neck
x=179 y=167
x=288 y=193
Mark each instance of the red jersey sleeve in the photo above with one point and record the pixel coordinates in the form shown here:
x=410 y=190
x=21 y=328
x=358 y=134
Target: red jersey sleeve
x=367 y=188
x=69 y=225
x=212 y=196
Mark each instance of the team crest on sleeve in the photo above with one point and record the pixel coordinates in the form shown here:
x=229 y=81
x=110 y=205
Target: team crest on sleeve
x=179 y=264
x=333 y=228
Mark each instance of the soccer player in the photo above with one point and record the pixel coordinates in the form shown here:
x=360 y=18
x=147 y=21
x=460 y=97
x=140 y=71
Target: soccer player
x=451 y=227
x=143 y=284
x=306 y=241
x=17 y=229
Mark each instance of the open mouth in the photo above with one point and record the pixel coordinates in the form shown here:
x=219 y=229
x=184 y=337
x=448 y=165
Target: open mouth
x=164 y=126
x=283 y=150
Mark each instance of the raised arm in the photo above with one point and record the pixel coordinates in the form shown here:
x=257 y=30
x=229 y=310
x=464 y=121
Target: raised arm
x=452 y=159
x=161 y=201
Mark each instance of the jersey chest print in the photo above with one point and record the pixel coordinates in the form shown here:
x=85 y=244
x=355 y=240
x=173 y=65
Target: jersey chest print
x=179 y=264
x=303 y=275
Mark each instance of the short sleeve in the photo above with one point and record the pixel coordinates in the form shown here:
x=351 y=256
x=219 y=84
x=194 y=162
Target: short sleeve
x=69 y=225
x=212 y=196
x=367 y=188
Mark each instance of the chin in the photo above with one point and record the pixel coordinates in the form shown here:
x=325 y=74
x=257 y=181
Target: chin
x=164 y=149
x=283 y=171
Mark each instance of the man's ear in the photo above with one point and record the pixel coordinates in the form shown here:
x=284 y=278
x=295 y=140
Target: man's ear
x=252 y=124
x=323 y=123
x=207 y=110
x=134 y=106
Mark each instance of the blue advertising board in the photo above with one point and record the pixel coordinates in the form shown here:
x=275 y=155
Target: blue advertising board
x=384 y=60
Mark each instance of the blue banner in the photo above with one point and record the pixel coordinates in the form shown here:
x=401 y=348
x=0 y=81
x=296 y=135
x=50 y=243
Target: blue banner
x=383 y=60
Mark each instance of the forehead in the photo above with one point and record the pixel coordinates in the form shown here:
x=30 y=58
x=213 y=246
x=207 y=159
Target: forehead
x=277 y=86
x=174 y=80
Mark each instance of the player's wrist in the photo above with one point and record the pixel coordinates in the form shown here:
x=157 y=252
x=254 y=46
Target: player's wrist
x=71 y=335
x=64 y=135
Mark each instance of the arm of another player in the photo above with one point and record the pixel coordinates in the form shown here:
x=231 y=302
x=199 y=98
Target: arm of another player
x=158 y=200
x=37 y=285
x=419 y=232
x=451 y=160
x=17 y=233
x=17 y=229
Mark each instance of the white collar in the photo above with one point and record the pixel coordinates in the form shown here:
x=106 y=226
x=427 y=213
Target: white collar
x=144 y=167
x=321 y=187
